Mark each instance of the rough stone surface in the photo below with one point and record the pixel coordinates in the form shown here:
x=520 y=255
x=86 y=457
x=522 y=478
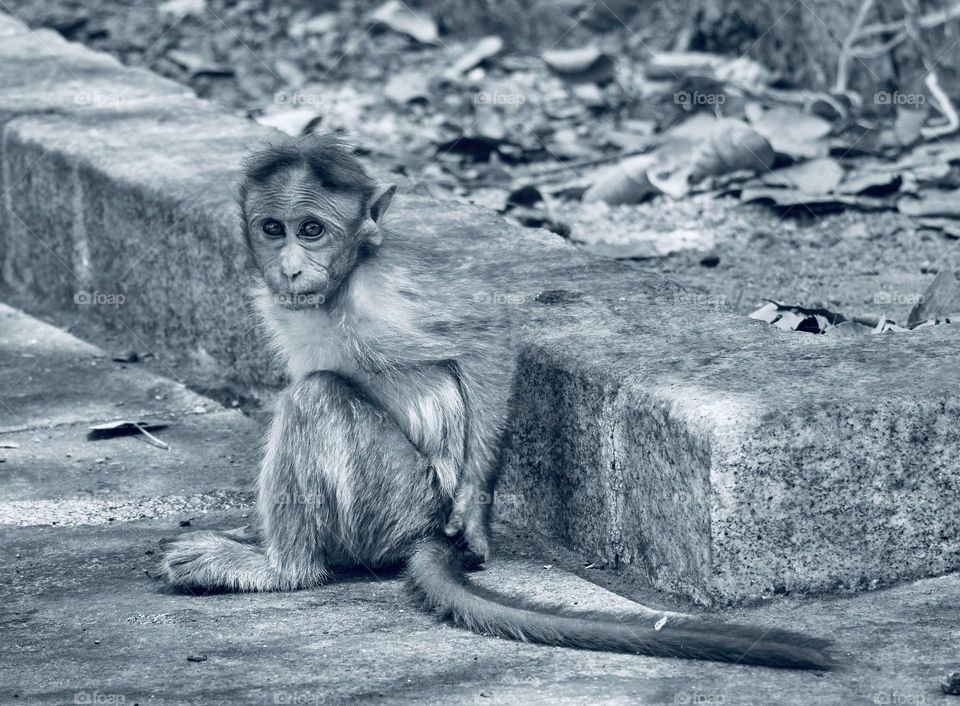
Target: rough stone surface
x=82 y=616
x=84 y=622
x=49 y=378
x=715 y=456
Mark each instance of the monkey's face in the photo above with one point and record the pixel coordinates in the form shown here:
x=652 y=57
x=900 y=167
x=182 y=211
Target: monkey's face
x=304 y=238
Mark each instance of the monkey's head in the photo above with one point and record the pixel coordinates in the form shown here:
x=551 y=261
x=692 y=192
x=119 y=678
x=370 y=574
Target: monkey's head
x=309 y=212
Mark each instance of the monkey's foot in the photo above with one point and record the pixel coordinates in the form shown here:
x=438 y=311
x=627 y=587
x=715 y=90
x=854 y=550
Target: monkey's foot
x=469 y=523
x=223 y=561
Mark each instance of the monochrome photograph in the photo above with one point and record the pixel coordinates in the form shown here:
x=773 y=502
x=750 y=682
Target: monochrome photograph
x=479 y=352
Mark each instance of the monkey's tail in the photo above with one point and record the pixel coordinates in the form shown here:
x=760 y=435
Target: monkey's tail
x=436 y=578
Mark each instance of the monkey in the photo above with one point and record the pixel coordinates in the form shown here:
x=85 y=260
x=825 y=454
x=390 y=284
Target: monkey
x=384 y=448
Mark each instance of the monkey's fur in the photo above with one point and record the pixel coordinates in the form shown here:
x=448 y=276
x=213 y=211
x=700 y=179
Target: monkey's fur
x=383 y=449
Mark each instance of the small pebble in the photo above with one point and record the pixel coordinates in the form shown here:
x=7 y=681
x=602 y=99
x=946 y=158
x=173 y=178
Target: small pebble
x=197 y=658
x=184 y=523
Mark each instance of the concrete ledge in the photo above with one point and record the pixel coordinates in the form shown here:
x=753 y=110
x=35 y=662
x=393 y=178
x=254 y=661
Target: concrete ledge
x=717 y=456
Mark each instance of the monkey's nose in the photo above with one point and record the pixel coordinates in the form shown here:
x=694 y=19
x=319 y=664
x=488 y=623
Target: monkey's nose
x=292 y=275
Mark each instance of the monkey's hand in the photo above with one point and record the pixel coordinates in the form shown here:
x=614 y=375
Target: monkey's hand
x=469 y=522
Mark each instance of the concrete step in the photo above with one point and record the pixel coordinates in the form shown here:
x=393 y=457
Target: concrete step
x=715 y=456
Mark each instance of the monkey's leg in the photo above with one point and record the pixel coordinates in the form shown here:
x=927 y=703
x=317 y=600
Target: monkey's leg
x=286 y=554
x=473 y=504
x=205 y=561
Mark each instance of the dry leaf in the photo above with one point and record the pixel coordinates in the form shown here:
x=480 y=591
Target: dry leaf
x=484 y=50
x=790 y=132
x=587 y=65
x=398 y=16
x=816 y=176
x=625 y=182
x=320 y=24
x=729 y=146
x=407 y=87
x=936 y=203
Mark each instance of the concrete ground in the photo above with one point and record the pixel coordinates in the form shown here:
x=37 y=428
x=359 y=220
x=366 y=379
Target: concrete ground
x=84 y=621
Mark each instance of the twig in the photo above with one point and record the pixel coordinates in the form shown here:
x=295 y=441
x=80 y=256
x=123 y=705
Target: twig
x=874 y=50
x=943 y=102
x=944 y=105
x=593 y=161
x=843 y=63
x=151 y=438
x=934 y=19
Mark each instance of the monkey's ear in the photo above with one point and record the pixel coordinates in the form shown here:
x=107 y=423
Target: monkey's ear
x=380 y=201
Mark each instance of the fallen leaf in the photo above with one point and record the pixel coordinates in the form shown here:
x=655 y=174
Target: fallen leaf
x=292 y=121
x=197 y=64
x=482 y=51
x=407 y=87
x=625 y=182
x=790 y=132
x=949 y=226
x=589 y=94
x=488 y=124
x=524 y=196
x=587 y=65
x=290 y=73
x=731 y=145
x=938 y=203
x=861 y=182
x=673 y=65
x=908 y=124
x=178 y=9
x=816 y=176
x=789 y=198
x=319 y=24
x=109 y=430
x=797 y=318
x=398 y=16
x=941 y=299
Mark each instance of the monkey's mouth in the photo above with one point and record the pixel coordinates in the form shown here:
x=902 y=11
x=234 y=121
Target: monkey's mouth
x=300 y=300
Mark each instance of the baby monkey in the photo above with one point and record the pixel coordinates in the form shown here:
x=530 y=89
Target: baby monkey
x=384 y=449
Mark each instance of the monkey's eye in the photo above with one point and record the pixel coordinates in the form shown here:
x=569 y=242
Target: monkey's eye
x=272 y=228
x=311 y=230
